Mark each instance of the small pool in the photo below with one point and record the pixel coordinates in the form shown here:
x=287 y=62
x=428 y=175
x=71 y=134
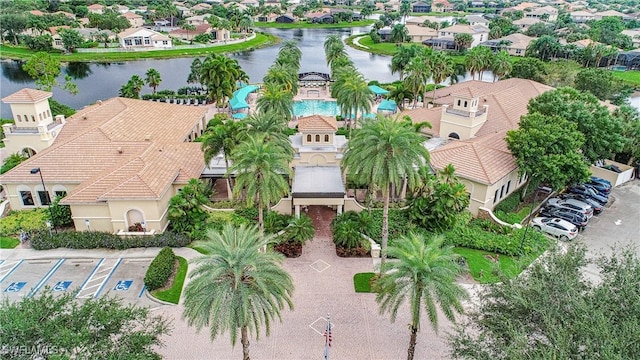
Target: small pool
x=315 y=107
x=618 y=68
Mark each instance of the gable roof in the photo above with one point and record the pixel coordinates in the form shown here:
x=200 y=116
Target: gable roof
x=131 y=15
x=466 y=29
x=27 y=96
x=317 y=123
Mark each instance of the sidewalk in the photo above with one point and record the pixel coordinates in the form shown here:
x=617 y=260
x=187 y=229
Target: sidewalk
x=31 y=254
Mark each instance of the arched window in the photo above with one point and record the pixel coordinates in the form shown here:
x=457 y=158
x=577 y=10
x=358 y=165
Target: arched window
x=326 y=138
x=48 y=113
x=33 y=118
x=308 y=137
x=458 y=102
x=40 y=116
x=26 y=118
x=135 y=220
x=317 y=138
x=465 y=104
x=18 y=118
x=454 y=136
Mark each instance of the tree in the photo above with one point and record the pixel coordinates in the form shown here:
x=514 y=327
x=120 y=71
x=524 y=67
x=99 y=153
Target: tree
x=544 y=48
x=462 y=41
x=400 y=93
x=603 y=85
x=71 y=39
x=153 y=79
x=237 y=287
x=383 y=153
x=13 y=25
x=548 y=150
x=528 y=316
x=441 y=69
x=424 y=274
x=402 y=57
x=185 y=211
x=399 y=33
x=222 y=137
x=220 y=75
x=95 y=328
x=417 y=76
x=500 y=65
x=300 y=229
x=270 y=127
x=132 y=88
x=277 y=100
x=12 y=161
x=353 y=96
x=188 y=27
x=333 y=49
x=42 y=67
x=529 y=68
x=602 y=132
x=60 y=215
x=261 y=169
x=631 y=131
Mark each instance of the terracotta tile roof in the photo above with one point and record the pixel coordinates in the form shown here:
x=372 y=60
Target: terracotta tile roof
x=483 y=159
x=317 y=123
x=131 y=15
x=421 y=115
x=36 y=12
x=27 y=96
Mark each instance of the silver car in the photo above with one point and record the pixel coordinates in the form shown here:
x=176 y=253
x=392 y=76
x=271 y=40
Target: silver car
x=558 y=228
x=572 y=204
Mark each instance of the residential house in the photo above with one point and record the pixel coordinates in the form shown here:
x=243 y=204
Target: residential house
x=188 y=35
x=120 y=8
x=385 y=34
x=184 y=11
x=197 y=19
x=419 y=20
x=96 y=9
x=479 y=34
x=36 y=13
x=613 y=13
x=442 y=6
x=135 y=20
x=546 y=13
x=56 y=38
x=469 y=126
x=420 y=7
x=634 y=34
x=116 y=163
x=515 y=44
x=250 y=3
x=143 y=38
x=271 y=17
x=520 y=7
x=580 y=17
x=201 y=7
x=477 y=20
x=67 y=14
x=285 y=19
x=525 y=23
x=419 y=33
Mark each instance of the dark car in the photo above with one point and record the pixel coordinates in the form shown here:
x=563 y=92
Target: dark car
x=589 y=192
x=601 y=181
x=578 y=220
x=597 y=208
x=601 y=189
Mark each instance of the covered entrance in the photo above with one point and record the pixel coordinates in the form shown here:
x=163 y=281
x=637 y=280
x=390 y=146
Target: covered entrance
x=317 y=185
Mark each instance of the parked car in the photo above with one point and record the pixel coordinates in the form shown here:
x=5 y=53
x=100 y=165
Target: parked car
x=597 y=208
x=601 y=188
x=576 y=219
x=572 y=204
x=587 y=191
x=555 y=227
x=601 y=181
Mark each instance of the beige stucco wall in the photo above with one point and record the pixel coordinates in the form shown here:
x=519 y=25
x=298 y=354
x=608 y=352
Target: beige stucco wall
x=318 y=201
x=16 y=142
x=40 y=112
x=482 y=195
x=98 y=215
x=136 y=22
x=316 y=159
x=306 y=142
x=350 y=204
x=152 y=212
x=283 y=206
x=14 y=198
x=465 y=127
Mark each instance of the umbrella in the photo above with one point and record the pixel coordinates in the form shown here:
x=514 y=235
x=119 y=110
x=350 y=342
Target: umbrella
x=378 y=90
x=239 y=115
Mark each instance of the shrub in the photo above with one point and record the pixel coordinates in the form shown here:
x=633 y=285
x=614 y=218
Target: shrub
x=399 y=224
x=275 y=222
x=160 y=269
x=11 y=161
x=485 y=235
x=42 y=240
x=25 y=220
x=217 y=219
x=61 y=214
x=299 y=230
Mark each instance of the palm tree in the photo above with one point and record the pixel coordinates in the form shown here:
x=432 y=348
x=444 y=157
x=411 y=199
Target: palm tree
x=271 y=128
x=417 y=75
x=402 y=57
x=475 y=61
x=333 y=49
x=223 y=137
x=284 y=75
x=353 y=96
x=261 y=169
x=441 y=69
x=425 y=273
x=220 y=75
x=384 y=153
x=462 y=40
x=236 y=287
x=399 y=94
x=292 y=51
x=276 y=100
x=500 y=65
x=188 y=27
x=153 y=79
x=399 y=33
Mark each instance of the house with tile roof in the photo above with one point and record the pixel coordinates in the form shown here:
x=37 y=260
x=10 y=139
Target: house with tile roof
x=445 y=39
x=515 y=44
x=419 y=33
x=525 y=23
x=115 y=163
x=96 y=9
x=141 y=37
x=547 y=13
x=469 y=125
x=136 y=20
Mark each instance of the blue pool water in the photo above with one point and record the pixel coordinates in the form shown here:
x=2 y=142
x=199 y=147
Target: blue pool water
x=315 y=107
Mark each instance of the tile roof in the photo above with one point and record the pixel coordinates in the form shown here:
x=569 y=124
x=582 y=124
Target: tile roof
x=421 y=115
x=27 y=96
x=131 y=15
x=104 y=150
x=317 y=123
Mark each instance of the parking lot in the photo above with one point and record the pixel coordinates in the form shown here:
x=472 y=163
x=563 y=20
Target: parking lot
x=86 y=277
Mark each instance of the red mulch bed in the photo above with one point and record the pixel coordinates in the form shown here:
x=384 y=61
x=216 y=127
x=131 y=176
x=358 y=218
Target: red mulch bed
x=289 y=249
x=354 y=252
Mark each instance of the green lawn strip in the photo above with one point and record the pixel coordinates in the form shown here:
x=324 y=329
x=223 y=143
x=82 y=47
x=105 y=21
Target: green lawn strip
x=479 y=263
x=362 y=282
x=385 y=48
x=261 y=40
x=172 y=294
x=305 y=25
x=198 y=249
x=631 y=77
x=8 y=242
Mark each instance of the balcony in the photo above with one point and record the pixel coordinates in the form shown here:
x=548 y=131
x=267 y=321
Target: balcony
x=464 y=113
x=31 y=130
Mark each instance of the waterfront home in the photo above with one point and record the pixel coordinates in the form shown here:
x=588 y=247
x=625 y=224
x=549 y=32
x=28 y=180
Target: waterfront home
x=141 y=38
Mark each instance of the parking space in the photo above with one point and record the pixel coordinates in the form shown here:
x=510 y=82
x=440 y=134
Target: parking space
x=88 y=278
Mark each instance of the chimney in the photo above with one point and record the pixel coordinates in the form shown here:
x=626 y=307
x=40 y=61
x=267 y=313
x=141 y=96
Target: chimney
x=147 y=137
x=119 y=149
x=61 y=119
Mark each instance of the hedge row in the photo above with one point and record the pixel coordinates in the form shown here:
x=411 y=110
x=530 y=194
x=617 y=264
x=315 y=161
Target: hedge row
x=42 y=240
x=507 y=241
x=160 y=269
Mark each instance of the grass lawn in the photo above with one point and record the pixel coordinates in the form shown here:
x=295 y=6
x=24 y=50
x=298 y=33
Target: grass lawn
x=172 y=294
x=362 y=282
x=305 y=25
x=8 y=52
x=385 y=48
x=632 y=77
x=479 y=264
x=8 y=242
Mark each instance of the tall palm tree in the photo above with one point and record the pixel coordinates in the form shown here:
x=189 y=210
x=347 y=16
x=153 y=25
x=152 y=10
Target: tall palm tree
x=474 y=61
x=399 y=94
x=291 y=49
x=236 y=287
x=271 y=128
x=353 y=96
x=261 y=169
x=500 y=65
x=402 y=57
x=417 y=74
x=399 y=33
x=220 y=75
x=333 y=49
x=153 y=79
x=424 y=274
x=284 y=75
x=277 y=100
x=441 y=69
x=384 y=153
x=223 y=137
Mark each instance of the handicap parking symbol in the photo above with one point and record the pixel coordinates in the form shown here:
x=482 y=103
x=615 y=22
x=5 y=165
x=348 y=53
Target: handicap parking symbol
x=15 y=286
x=123 y=285
x=61 y=286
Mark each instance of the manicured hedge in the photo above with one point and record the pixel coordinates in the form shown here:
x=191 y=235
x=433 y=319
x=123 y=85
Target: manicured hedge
x=399 y=224
x=160 y=269
x=41 y=240
x=25 y=220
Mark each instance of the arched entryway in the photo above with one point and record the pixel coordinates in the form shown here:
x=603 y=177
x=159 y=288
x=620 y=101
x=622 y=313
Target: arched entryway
x=134 y=217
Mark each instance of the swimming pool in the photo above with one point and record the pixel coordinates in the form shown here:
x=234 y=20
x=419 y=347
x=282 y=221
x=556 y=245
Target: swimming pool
x=315 y=107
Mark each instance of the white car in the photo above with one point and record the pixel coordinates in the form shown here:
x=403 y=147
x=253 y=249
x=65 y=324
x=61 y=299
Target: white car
x=555 y=227
x=573 y=205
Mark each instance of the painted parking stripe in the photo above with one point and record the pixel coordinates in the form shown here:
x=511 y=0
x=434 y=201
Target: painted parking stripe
x=89 y=277
x=97 y=278
x=9 y=268
x=107 y=279
x=142 y=291
x=46 y=278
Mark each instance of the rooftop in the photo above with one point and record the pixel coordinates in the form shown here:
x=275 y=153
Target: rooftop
x=317 y=181
x=27 y=96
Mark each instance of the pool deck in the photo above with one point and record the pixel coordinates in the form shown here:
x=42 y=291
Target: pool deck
x=313 y=93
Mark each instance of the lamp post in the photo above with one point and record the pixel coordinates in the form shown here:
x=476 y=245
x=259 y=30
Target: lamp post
x=533 y=206
x=37 y=171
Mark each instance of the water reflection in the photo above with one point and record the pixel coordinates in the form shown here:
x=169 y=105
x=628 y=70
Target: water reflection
x=79 y=70
x=12 y=71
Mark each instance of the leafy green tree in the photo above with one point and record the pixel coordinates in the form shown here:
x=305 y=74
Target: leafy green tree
x=630 y=119
x=132 y=88
x=544 y=48
x=71 y=39
x=237 y=287
x=333 y=49
x=462 y=41
x=438 y=200
x=603 y=85
x=529 y=68
x=441 y=68
x=276 y=99
x=424 y=275
x=602 y=131
x=529 y=316
x=300 y=229
x=13 y=25
x=220 y=75
x=399 y=33
x=101 y=328
x=261 y=169
x=195 y=74
x=383 y=153
x=540 y=29
x=400 y=93
x=270 y=127
x=548 y=150
x=416 y=78
x=353 y=96
x=402 y=57
x=38 y=43
x=500 y=65
x=44 y=69
x=109 y=20
x=153 y=79
x=185 y=211
x=60 y=215
x=283 y=75
x=500 y=27
x=12 y=161
x=222 y=137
